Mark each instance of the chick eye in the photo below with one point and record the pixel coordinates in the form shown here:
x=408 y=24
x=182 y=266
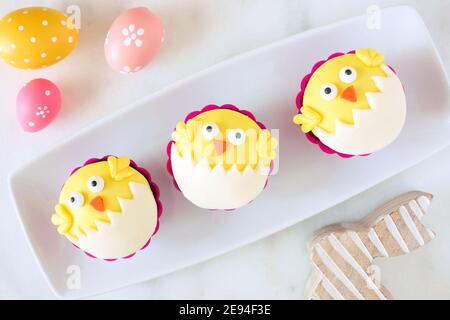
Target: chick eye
x=76 y=200
x=210 y=130
x=236 y=136
x=95 y=184
x=328 y=91
x=347 y=74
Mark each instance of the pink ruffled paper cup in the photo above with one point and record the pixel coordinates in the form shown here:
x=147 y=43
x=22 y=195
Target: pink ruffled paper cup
x=159 y=209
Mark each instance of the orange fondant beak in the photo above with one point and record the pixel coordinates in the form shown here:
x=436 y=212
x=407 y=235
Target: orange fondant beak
x=349 y=94
x=220 y=146
x=98 y=204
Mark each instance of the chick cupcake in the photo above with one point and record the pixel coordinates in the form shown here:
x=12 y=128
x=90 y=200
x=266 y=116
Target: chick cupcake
x=351 y=104
x=109 y=208
x=220 y=157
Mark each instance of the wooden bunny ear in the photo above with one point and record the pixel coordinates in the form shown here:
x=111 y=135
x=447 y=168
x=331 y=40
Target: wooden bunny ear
x=119 y=168
x=370 y=57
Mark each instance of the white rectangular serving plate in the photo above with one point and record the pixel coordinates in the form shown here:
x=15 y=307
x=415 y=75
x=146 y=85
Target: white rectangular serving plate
x=266 y=82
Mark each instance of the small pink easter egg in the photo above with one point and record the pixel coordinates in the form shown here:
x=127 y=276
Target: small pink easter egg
x=133 y=40
x=37 y=104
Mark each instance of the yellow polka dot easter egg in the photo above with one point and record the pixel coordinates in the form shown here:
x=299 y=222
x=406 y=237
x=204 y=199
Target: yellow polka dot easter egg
x=36 y=37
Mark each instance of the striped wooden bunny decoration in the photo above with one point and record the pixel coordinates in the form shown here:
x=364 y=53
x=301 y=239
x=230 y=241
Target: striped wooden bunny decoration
x=343 y=254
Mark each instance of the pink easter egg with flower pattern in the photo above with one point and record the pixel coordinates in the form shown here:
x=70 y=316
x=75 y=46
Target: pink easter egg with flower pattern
x=37 y=104
x=133 y=40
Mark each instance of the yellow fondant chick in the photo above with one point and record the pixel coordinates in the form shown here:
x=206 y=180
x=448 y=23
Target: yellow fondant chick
x=91 y=192
x=36 y=37
x=227 y=137
x=338 y=87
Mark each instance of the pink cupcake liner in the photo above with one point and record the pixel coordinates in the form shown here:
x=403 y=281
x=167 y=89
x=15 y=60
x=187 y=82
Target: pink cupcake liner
x=196 y=113
x=156 y=194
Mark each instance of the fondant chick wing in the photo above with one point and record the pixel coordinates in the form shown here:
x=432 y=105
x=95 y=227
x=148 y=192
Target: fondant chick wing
x=309 y=118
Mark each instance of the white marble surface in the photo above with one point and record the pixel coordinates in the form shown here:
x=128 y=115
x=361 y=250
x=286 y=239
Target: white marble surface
x=200 y=33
